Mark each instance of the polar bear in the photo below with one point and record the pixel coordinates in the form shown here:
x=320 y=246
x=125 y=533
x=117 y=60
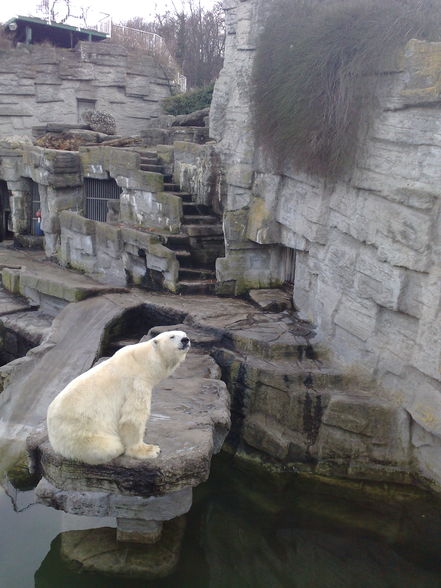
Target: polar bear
x=103 y=413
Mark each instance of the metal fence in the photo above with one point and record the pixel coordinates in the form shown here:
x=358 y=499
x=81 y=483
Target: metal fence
x=97 y=193
x=146 y=41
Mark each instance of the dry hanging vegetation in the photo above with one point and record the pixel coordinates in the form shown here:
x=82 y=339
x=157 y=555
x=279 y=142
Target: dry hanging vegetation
x=315 y=74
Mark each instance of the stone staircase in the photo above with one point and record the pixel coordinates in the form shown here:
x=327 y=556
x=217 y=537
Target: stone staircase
x=200 y=241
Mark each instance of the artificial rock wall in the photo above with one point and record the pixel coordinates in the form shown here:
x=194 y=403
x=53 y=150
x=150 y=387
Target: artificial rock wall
x=43 y=84
x=368 y=264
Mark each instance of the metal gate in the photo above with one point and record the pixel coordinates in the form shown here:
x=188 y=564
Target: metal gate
x=5 y=211
x=36 y=210
x=98 y=192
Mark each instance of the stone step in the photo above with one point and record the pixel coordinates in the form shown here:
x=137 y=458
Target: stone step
x=200 y=219
x=204 y=258
x=193 y=208
x=196 y=286
x=51 y=281
x=150 y=154
x=170 y=187
x=183 y=254
x=177 y=242
x=11 y=303
x=196 y=273
x=185 y=196
x=152 y=160
x=151 y=167
x=273 y=300
x=273 y=336
x=208 y=242
x=193 y=257
x=286 y=374
x=20 y=332
x=290 y=345
x=203 y=230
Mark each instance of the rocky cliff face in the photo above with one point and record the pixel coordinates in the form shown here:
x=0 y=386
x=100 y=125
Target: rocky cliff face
x=367 y=248
x=40 y=84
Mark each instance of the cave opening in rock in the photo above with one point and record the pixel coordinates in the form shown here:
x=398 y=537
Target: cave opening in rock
x=133 y=324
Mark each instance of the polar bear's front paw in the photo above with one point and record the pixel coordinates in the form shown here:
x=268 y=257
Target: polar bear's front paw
x=143 y=451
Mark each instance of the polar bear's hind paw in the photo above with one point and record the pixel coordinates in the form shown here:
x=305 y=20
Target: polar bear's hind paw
x=143 y=451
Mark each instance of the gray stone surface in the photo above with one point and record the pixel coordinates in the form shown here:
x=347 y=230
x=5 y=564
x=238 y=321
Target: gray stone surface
x=34 y=280
x=197 y=169
x=105 y=76
x=20 y=332
x=190 y=420
x=105 y=504
x=194 y=119
x=367 y=268
x=10 y=304
x=116 y=254
x=289 y=401
x=274 y=300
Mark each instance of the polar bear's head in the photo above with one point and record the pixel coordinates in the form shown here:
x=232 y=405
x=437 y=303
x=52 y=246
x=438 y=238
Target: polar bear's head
x=172 y=348
x=172 y=341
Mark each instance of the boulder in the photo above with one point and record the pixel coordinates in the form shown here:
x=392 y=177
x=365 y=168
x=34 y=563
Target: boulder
x=194 y=119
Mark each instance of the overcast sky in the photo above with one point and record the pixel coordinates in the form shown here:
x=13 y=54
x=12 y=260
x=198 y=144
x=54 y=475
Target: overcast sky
x=119 y=10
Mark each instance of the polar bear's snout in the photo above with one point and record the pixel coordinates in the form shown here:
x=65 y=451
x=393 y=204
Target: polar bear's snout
x=185 y=342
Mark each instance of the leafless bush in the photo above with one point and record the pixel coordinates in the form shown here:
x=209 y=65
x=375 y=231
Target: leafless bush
x=5 y=38
x=315 y=73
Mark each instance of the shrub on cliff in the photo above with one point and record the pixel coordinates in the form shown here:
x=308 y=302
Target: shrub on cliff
x=188 y=102
x=315 y=73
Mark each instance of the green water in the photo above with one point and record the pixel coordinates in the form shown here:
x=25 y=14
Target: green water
x=253 y=530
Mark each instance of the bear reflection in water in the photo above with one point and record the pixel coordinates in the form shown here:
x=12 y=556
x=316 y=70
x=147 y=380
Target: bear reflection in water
x=103 y=413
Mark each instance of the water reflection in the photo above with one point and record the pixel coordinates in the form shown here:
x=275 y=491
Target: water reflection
x=250 y=530
x=98 y=551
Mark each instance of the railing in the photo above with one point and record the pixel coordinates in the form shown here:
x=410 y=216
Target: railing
x=146 y=41
x=137 y=39
x=104 y=25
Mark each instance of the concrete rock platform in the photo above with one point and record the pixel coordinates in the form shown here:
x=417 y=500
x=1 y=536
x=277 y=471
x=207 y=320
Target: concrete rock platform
x=30 y=274
x=190 y=420
x=283 y=388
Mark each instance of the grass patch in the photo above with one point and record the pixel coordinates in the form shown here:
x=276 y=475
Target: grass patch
x=188 y=102
x=316 y=71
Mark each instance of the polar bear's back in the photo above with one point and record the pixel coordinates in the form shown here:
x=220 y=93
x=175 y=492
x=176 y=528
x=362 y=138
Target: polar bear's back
x=94 y=396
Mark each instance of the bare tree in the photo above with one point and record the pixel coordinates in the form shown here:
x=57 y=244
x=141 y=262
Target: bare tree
x=61 y=10
x=194 y=36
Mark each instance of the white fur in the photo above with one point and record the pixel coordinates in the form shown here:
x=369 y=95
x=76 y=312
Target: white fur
x=103 y=413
